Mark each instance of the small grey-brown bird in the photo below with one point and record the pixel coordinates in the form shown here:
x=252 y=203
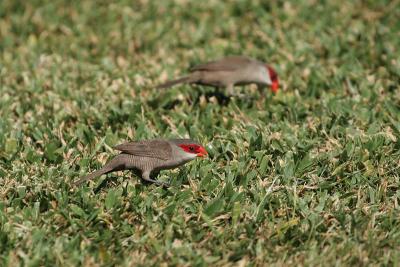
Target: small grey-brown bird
x=228 y=72
x=149 y=157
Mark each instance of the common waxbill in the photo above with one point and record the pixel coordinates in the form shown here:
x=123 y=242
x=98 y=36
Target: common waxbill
x=149 y=157
x=228 y=72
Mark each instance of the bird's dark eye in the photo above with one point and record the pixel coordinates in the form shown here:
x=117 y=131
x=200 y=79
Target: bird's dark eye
x=191 y=148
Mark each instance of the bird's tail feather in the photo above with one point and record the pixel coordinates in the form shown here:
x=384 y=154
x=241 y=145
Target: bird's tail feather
x=113 y=165
x=174 y=82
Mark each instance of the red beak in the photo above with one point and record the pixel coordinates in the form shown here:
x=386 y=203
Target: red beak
x=274 y=79
x=275 y=86
x=202 y=152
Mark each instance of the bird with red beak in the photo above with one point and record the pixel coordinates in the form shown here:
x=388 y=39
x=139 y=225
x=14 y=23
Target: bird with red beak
x=228 y=72
x=149 y=157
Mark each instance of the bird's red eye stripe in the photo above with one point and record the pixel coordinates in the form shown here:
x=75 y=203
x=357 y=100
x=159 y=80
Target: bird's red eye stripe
x=194 y=149
x=190 y=148
x=272 y=74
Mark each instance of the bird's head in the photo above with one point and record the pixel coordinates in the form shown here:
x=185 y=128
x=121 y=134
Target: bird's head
x=194 y=149
x=191 y=148
x=274 y=78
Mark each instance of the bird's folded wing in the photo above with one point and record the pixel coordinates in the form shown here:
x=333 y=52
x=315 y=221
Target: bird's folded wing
x=159 y=149
x=224 y=64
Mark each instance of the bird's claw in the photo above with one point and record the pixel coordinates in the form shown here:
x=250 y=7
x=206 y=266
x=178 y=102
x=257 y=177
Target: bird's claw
x=240 y=96
x=164 y=184
x=160 y=183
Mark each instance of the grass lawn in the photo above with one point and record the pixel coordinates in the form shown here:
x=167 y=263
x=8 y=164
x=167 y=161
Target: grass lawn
x=309 y=176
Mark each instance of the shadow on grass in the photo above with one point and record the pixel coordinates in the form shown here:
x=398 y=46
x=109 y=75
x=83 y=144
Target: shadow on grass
x=111 y=181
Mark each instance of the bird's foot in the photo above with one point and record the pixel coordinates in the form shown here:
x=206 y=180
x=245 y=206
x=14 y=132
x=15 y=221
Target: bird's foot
x=242 y=96
x=164 y=184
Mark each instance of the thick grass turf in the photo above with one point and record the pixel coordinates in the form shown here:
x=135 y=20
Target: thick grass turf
x=309 y=176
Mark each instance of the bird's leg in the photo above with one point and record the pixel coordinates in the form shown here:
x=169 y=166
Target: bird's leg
x=146 y=177
x=230 y=88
